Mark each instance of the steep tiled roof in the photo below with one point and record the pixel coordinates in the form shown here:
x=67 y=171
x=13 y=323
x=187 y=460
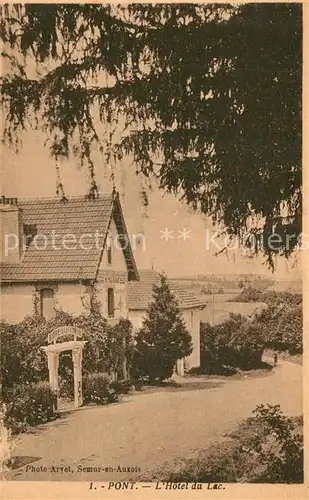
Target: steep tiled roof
x=140 y=293
x=53 y=219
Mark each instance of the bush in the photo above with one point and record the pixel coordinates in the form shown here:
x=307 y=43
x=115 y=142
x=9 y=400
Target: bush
x=122 y=386
x=248 y=294
x=286 y=298
x=97 y=389
x=226 y=371
x=266 y=448
x=28 y=406
x=281 y=325
x=270 y=297
x=22 y=360
x=234 y=343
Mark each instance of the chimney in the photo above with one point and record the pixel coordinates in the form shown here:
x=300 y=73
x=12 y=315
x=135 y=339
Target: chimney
x=11 y=226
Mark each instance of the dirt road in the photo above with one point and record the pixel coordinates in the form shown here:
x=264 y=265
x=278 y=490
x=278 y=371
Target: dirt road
x=147 y=430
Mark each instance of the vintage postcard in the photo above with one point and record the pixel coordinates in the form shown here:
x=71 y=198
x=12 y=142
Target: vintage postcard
x=153 y=250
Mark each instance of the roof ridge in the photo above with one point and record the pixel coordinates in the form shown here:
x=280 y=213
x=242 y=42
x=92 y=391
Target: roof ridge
x=57 y=198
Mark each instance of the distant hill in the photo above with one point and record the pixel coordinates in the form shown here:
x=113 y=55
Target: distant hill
x=227 y=283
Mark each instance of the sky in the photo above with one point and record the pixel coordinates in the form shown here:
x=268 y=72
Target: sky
x=174 y=240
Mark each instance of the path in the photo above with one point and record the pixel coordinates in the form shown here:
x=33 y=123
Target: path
x=146 y=430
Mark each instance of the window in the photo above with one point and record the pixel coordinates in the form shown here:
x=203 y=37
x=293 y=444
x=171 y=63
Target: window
x=110 y=302
x=192 y=319
x=109 y=249
x=47 y=303
x=109 y=254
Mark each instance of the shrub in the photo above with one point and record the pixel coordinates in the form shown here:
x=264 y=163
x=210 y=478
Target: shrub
x=281 y=326
x=270 y=297
x=97 y=389
x=226 y=371
x=276 y=298
x=22 y=360
x=28 y=406
x=233 y=343
x=248 y=294
x=122 y=386
x=280 y=449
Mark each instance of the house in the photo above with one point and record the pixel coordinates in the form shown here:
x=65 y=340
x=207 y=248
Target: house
x=55 y=253
x=140 y=295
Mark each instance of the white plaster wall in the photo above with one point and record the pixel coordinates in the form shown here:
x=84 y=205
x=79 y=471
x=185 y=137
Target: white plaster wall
x=16 y=302
x=192 y=320
x=69 y=298
x=118 y=260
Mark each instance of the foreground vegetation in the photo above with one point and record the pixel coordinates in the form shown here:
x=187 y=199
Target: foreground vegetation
x=265 y=448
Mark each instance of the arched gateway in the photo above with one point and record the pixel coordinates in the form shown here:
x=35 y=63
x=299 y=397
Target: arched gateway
x=52 y=351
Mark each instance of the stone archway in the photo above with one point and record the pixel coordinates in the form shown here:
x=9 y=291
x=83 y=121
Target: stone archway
x=54 y=349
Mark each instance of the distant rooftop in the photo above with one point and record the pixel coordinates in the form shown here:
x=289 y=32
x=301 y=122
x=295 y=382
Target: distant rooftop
x=140 y=292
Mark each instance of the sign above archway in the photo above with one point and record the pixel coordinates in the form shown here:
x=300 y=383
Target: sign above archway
x=63 y=331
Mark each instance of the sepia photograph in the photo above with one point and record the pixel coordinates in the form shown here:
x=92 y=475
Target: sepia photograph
x=152 y=239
